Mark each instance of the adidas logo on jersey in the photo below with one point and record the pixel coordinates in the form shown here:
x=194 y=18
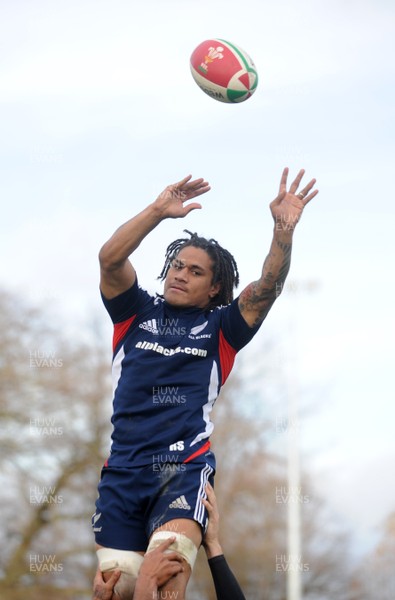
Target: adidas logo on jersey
x=150 y=326
x=180 y=502
x=163 y=327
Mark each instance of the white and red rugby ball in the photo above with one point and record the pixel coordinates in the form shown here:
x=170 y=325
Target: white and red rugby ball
x=224 y=71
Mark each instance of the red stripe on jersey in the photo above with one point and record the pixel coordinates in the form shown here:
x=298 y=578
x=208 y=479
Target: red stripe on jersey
x=201 y=450
x=120 y=330
x=227 y=356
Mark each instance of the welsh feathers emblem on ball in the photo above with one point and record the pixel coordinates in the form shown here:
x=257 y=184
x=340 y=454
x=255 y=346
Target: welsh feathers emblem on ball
x=224 y=71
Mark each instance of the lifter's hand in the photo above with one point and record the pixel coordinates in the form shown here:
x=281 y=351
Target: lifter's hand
x=287 y=208
x=103 y=590
x=158 y=567
x=171 y=202
x=211 y=542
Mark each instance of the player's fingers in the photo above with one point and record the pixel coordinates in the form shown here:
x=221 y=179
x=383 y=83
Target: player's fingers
x=113 y=579
x=189 y=193
x=191 y=187
x=207 y=506
x=189 y=207
x=303 y=193
x=176 y=568
x=309 y=197
x=173 y=557
x=170 y=571
x=195 y=183
x=196 y=190
x=164 y=545
x=295 y=184
x=183 y=181
x=210 y=493
x=283 y=180
x=209 y=487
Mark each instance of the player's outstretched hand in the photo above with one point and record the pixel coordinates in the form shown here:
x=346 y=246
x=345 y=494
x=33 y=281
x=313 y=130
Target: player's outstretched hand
x=171 y=202
x=287 y=208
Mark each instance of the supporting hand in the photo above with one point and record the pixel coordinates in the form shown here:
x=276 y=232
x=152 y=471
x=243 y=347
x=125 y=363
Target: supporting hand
x=211 y=538
x=104 y=590
x=158 y=567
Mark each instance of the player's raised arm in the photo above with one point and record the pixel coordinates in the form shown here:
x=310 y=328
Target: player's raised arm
x=257 y=298
x=116 y=272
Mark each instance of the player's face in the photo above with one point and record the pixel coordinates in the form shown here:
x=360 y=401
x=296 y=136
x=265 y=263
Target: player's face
x=189 y=279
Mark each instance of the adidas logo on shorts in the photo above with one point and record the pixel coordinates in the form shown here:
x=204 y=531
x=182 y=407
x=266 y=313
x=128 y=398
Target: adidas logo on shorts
x=180 y=502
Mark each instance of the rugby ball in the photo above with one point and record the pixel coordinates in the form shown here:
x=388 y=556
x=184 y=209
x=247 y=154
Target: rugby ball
x=224 y=71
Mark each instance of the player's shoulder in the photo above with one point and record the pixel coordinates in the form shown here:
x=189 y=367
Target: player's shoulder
x=219 y=312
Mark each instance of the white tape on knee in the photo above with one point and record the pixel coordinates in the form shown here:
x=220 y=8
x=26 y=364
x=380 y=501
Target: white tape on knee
x=182 y=544
x=124 y=560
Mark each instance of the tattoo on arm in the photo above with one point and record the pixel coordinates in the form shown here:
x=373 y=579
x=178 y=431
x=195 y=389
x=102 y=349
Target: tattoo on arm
x=259 y=296
x=286 y=263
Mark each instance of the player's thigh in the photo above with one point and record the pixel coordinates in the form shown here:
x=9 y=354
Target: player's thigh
x=178 y=511
x=179 y=498
x=119 y=520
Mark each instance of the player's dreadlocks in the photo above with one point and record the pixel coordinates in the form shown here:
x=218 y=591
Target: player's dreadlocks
x=225 y=269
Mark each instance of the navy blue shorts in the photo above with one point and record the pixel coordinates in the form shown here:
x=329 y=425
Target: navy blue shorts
x=132 y=503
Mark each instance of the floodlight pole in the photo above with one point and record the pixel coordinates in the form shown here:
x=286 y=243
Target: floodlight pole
x=294 y=545
x=294 y=582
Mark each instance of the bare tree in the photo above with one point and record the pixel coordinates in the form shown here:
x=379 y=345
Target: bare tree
x=54 y=432
x=375 y=578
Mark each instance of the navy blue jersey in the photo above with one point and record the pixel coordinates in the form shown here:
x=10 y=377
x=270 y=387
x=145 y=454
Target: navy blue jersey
x=168 y=367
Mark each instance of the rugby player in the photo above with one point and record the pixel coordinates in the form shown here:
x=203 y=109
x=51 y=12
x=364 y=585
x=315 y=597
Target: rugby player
x=171 y=356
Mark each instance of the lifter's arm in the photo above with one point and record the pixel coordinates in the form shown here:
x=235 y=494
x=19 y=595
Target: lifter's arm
x=258 y=297
x=226 y=584
x=116 y=271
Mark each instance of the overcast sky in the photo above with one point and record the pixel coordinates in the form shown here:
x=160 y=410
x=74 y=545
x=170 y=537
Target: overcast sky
x=99 y=113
